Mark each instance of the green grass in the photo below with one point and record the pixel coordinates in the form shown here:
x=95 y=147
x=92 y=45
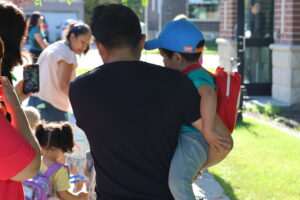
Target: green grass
x=211 y=47
x=82 y=71
x=264 y=164
x=154 y=51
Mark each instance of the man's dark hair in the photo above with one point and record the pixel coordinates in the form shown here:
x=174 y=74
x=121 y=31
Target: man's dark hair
x=190 y=57
x=115 y=25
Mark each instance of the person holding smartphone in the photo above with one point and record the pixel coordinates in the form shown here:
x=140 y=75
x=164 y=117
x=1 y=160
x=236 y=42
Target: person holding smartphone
x=20 y=156
x=57 y=65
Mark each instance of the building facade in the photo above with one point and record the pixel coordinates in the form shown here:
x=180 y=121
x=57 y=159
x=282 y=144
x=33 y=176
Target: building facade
x=204 y=13
x=56 y=12
x=270 y=57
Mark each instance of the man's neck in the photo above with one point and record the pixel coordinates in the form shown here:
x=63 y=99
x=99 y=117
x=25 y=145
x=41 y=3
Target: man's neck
x=122 y=54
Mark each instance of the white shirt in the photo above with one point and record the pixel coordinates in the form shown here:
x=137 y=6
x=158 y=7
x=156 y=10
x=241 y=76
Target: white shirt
x=49 y=83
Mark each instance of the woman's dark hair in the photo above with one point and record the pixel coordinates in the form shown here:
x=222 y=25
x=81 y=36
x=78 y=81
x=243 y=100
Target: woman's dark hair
x=115 y=25
x=1 y=50
x=56 y=135
x=12 y=29
x=190 y=57
x=79 y=29
x=1 y=53
x=34 y=19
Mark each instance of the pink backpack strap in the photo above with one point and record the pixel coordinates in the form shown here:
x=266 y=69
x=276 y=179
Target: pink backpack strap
x=53 y=169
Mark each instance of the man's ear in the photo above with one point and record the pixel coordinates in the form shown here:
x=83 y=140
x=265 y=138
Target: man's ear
x=102 y=51
x=142 y=42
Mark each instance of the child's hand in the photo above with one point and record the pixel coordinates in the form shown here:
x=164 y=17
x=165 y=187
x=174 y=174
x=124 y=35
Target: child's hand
x=218 y=142
x=83 y=196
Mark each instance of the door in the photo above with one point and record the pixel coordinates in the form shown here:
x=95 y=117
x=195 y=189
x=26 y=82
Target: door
x=254 y=35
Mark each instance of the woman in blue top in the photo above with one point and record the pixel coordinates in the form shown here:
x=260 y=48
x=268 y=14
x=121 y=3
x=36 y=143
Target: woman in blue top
x=36 y=36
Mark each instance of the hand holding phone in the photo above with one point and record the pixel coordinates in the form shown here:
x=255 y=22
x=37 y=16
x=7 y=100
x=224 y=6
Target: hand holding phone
x=31 y=78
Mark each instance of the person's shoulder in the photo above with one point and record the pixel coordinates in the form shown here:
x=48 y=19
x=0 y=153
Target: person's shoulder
x=61 y=50
x=35 y=29
x=163 y=70
x=201 y=72
x=62 y=46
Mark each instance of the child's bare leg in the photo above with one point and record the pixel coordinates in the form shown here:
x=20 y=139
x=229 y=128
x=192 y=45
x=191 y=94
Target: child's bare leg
x=214 y=157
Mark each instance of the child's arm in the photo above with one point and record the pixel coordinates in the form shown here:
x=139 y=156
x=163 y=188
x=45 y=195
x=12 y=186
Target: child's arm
x=208 y=106
x=66 y=195
x=61 y=184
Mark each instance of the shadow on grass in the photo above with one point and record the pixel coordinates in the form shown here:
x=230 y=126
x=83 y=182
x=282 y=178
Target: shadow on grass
x=246 y=125
x=229 y=191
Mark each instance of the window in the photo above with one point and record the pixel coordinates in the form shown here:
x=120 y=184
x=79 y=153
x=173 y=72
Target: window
x=204 y=9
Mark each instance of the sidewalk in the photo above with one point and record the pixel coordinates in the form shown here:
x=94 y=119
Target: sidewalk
x=208 y=188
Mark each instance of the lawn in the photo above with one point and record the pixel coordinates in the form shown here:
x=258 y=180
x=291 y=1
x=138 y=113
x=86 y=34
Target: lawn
x=264 y=164
x=211 y=47
x=82 y=71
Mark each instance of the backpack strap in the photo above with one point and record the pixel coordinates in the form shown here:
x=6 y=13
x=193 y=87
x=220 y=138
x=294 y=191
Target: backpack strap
x=193 y=67
x=53 y=169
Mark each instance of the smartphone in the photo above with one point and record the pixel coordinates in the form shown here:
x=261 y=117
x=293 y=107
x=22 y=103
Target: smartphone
x=31 y=78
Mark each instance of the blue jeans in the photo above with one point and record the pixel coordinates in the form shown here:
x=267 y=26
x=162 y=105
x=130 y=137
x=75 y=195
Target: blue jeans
x=190 y=155
x=48 y=112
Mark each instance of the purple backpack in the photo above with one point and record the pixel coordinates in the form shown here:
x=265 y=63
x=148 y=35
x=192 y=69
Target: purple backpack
x=40 y=187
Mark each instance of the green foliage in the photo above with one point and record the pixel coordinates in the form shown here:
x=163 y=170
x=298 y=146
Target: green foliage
x=263 y=165
x=270 y=109
x=40 y=2
x=89 y=5
x=211 y=47
x=267 y=110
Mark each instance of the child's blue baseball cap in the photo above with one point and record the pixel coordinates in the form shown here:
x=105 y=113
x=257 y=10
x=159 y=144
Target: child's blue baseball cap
x=178 y=36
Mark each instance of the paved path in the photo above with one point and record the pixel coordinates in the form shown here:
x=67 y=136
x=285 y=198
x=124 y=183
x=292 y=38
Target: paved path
x=208 y=188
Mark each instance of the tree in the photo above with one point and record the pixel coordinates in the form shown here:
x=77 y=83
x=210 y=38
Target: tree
x=89 y=5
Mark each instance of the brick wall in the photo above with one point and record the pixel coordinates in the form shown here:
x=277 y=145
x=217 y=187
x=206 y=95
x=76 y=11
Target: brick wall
x=228 y=18
x=287 y=21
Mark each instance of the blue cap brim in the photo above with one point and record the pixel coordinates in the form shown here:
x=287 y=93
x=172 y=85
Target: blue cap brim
x=151 y=44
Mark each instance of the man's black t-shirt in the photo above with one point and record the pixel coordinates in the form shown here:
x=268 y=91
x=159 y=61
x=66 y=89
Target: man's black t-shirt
x=131 y=112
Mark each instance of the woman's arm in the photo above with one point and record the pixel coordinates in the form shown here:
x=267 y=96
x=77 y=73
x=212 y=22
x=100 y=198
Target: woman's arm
x=20 y=123
x=43 y=43
x=64 y=73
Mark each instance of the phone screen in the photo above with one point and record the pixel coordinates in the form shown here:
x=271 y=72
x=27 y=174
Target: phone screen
x=31 y=78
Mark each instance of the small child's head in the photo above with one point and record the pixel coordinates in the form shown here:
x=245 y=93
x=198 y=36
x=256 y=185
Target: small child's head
x=33 y=116
x=55 y=137
x=180 y=41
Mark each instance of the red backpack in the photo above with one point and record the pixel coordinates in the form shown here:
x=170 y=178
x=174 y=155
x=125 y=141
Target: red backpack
x=228 y=87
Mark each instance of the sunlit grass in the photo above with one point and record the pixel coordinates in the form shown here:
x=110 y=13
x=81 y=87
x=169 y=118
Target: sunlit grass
x=264 y=164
